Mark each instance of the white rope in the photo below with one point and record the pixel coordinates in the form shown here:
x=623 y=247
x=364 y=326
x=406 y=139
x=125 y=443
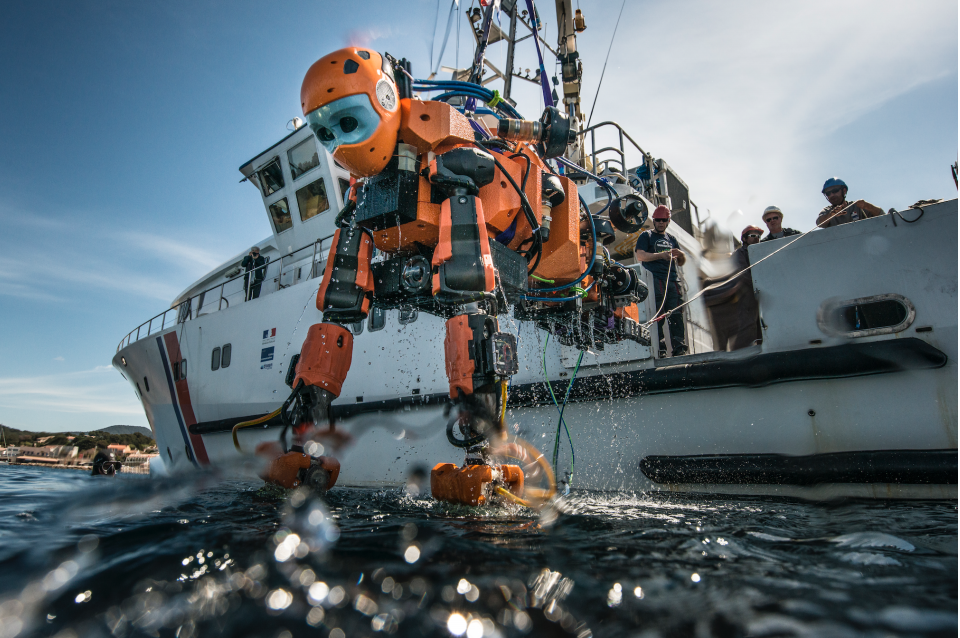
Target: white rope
x=734 y=276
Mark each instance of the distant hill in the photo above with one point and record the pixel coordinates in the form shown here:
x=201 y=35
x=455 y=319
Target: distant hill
x=127 y=429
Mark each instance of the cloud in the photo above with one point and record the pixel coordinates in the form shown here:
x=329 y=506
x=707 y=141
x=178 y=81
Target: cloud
x=58 y=359
x=742 y=101
x=97 y=396
x=176 y=252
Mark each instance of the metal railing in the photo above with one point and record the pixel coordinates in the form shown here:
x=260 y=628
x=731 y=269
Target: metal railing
x=619 y=151
x=196 y=305
x=649 y=189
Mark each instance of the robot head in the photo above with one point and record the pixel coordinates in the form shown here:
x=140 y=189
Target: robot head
x=350 y=101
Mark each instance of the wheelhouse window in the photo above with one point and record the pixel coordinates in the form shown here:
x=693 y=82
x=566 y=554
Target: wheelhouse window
x=280 y=214
x=344 y=186
x=271 y=177
x=303 y=157
x=215 y=359
x=312 y=200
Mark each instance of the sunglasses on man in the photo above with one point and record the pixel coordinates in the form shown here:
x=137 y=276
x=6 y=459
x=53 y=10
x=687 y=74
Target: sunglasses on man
x=770 y=219
x=754 y=235
x=833 y=191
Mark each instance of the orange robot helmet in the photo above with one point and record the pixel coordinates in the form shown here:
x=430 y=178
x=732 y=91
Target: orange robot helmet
x=350 y=101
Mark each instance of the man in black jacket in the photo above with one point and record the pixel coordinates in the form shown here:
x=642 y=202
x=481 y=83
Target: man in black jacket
x=258 y=265
x=773 y=218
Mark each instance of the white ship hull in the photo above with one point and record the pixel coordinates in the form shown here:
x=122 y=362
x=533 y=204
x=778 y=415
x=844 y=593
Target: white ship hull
x=872 y=415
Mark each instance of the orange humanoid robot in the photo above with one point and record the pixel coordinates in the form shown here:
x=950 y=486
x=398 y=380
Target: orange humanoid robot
x=460 y=237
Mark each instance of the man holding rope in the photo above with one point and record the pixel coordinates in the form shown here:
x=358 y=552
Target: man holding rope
x=840 y=211
x=660 y=254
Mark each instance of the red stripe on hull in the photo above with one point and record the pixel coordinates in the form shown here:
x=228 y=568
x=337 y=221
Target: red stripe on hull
x=183 y=396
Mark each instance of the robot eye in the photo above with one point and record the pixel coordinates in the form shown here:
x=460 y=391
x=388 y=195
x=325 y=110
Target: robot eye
x=348 y=124
x=325 y=134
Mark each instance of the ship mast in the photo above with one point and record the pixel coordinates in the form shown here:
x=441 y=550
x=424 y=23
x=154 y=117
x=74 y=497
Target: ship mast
x=569 y=23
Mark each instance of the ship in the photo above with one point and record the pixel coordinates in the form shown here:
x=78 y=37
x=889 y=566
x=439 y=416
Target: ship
x=850 y=392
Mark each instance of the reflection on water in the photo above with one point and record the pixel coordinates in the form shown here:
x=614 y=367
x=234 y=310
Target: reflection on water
x=131 y=556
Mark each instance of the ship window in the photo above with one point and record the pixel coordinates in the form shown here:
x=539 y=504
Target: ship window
x=378 y=319
x=407 y=315
x=312 y=200
x=303 y=157
x=146 y=384
x=344 y=186
x=215 y=359
x=280 y=214
x=183 y=369
x=225 y=357
x=356 y=328
x=271 y=177
x=867 y=316
x=176 y=371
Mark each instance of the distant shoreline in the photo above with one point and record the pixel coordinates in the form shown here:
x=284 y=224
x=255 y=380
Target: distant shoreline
x=56 y=467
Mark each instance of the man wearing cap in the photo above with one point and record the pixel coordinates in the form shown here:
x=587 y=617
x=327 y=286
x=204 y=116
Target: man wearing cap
x=840 y=211
x=660 y=254
x=257 y=264
x=773 y=218
x=733 y=306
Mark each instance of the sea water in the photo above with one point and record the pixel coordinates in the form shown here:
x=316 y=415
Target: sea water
x=206 y=556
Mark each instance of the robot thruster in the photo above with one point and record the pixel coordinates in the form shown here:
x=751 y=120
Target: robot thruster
x=452 y=215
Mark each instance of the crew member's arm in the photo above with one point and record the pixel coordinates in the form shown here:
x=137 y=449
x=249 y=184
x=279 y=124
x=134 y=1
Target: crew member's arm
x=643 y=255
x=868 y=208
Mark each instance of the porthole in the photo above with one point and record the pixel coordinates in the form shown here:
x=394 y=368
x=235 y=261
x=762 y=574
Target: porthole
x=225 y=356
x=378 y=319
x=146 y=384
x=866 y=316
x=215 y=359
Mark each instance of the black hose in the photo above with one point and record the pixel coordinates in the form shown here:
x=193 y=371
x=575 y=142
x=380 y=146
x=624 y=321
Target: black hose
x=454 y=441
x=525 y=206
x=286 y=419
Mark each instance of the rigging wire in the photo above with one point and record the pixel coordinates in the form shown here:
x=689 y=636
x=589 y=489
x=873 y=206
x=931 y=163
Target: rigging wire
x=590 y=119
x=735 y=275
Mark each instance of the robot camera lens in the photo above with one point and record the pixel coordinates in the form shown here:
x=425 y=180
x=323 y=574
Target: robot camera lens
x=325 y=134
x=348 y=124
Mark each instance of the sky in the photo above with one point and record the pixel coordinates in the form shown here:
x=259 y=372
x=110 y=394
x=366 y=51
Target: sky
x=122 y=126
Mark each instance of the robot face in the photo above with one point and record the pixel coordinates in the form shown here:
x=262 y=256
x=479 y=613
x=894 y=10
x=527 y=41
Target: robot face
x=349 y=120
x=351 y=103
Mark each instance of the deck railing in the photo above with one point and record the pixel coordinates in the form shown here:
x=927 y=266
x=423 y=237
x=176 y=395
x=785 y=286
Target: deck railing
x=280 y=274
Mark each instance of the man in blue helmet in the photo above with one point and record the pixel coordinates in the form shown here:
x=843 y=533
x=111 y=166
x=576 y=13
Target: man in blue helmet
x=840 y=211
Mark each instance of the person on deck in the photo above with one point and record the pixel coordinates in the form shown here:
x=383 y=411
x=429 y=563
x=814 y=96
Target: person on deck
x=660 y=254
x=773 y=218
x=257 y=264
x=840 y=211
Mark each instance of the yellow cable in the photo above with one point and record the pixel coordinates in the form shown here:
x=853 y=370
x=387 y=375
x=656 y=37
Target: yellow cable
x=246 y=424
x=512 y=497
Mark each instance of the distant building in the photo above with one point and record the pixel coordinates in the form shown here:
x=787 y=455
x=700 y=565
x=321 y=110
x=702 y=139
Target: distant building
x=38 y=455
x=121 y=449
x=10 y=453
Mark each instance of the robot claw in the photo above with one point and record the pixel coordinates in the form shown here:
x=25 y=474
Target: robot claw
x=476 y=484
x=297 y=468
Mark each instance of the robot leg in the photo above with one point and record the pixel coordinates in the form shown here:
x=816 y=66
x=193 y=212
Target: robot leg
x=344 y=297
x=479 y=360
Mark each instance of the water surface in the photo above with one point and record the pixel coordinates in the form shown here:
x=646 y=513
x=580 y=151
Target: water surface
x=202 y=556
